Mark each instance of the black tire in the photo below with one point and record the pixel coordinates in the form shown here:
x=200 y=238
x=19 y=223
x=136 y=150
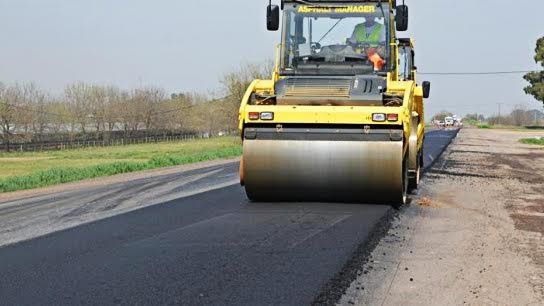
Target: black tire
x=413 y=181
x=405 y=184
x=415 y=177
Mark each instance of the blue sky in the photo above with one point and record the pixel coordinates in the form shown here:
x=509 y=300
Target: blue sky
x=187 y=45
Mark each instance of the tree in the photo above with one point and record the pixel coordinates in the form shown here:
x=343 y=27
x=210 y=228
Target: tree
x=15 y=112
x=77 y=97
x=41 y=117
x=97 y=101
x=90 y=111
x=112 y=110
x=235 y=84
x=60 y=115
x=7 y=114
x=441 y=115
x=182 y=102
x=520 y=116
x=536 y=78
x=149 y=100
x=474 y=117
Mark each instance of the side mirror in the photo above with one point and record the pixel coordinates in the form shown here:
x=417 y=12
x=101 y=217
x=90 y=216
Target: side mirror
x=426 y=89
x=401 y=18
x=273 y=17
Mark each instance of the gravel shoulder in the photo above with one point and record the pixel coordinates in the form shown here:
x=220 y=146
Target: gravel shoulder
x=473 y=235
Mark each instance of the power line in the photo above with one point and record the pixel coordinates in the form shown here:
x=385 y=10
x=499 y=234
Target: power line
x=478 y=73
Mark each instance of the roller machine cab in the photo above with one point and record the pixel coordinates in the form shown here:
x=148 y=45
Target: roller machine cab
x=341 y=118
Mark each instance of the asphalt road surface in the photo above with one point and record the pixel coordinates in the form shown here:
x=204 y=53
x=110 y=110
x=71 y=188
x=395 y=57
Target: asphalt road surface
x=205 y=246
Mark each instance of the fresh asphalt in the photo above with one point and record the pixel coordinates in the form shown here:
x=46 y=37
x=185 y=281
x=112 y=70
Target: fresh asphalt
x=213 y=247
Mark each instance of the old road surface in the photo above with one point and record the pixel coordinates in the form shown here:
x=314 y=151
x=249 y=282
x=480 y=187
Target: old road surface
x=211 y=247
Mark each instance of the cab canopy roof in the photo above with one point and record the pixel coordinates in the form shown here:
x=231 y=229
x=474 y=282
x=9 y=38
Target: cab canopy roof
x=317 y=2
x=339 y=2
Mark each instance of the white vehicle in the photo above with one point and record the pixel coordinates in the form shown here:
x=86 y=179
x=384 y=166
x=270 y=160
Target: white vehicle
x=448 y=121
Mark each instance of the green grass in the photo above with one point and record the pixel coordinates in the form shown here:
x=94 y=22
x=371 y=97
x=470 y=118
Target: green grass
x=533 y=141
x=25 y=170
x=471 y=122
x=503 y=127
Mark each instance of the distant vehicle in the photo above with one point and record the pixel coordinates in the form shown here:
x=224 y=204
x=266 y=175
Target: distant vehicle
x=438 y=123
x=449 y=121
x=457 y=122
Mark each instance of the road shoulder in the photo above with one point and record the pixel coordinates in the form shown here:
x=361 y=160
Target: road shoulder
x=474 y=234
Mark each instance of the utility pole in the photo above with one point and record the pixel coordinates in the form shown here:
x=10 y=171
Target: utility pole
x=499 y=104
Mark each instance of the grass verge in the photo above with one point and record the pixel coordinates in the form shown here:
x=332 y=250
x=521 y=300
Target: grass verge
x=533 y=141
x=505 y=127
x=43 y=169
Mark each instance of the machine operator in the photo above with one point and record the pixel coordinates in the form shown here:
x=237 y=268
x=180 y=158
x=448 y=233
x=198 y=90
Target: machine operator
x=371 y=34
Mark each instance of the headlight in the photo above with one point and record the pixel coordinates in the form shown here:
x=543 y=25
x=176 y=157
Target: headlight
x=267 y=116
x=378 y=117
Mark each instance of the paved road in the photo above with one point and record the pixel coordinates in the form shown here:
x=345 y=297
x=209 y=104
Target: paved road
x=208 y=248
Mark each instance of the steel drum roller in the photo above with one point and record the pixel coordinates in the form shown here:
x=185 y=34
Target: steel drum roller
x=346 y=171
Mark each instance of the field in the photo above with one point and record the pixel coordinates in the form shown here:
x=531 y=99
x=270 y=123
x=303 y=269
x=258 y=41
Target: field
x=26 y=170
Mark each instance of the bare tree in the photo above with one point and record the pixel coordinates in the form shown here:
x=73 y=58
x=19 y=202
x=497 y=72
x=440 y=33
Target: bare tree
x=112 y=113
x=96 y=102
x=441 y=115
x=235 y=84
x=77 y=96
x=37 y=103
x=520 y=115
x=85 y=110
x=11 y=110
x=59 y=115
x=181 y=105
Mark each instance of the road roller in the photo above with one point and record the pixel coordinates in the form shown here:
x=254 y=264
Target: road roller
x=341 y=119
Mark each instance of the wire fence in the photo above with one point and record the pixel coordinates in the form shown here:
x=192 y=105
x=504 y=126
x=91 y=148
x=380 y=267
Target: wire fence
x=79 y=144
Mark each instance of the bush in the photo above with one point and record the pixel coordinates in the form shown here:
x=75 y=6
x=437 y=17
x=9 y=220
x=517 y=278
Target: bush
x=533 y=141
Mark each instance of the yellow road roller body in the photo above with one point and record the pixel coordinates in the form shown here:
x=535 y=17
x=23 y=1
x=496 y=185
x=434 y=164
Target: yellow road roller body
x=342 y=117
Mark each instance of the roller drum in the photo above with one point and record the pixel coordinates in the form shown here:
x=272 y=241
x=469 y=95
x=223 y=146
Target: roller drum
x=340 y=171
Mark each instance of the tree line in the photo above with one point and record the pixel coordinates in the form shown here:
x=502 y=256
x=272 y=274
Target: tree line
x=89 y=111
x=519 y=116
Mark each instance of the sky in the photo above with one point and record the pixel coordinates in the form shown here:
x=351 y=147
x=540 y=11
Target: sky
x=183 y=45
